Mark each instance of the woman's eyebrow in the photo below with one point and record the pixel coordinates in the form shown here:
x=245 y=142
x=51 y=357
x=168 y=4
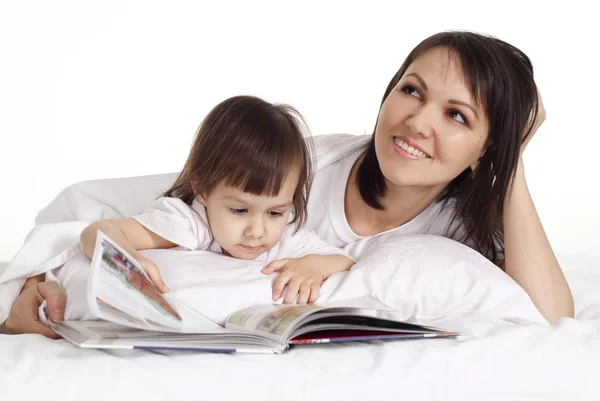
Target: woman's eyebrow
x=418 y=77
x=454 y=101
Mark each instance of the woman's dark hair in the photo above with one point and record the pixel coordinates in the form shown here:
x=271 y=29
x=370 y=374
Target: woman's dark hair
x=250 y=144
x=500 y=79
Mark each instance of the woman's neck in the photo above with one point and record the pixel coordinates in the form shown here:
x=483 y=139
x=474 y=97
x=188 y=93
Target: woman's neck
x=401 y=205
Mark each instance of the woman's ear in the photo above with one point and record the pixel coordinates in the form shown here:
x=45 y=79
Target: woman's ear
x=483 y=152
x=476 y=164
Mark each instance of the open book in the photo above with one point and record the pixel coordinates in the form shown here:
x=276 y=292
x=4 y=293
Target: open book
x=132 y=313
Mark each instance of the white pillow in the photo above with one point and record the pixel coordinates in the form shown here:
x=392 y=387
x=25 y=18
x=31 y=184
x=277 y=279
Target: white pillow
x=425 y=278
x=429 y=277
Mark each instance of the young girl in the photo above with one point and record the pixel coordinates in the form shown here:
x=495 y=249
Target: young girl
x=242 y=192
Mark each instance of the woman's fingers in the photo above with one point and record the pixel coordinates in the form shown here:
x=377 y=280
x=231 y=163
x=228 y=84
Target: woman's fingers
x=24 y=317
x=56 y=299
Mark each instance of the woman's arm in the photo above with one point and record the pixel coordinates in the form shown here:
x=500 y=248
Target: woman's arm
x=529 y=258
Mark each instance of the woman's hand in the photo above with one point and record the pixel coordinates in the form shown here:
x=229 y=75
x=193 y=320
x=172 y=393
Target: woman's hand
x=540 y=117
x=301 y=276
x=24 y=317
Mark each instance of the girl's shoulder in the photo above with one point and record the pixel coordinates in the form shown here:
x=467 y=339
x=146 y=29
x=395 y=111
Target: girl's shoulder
x=173 y=219
x=170 y=205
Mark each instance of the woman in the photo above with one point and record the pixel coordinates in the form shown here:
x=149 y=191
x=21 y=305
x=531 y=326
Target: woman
x=445 y=158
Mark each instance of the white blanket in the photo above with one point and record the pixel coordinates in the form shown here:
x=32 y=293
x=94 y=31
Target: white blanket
x=506 y=361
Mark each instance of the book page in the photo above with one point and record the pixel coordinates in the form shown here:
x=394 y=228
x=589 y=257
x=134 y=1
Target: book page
x=282 y=322
x=274 y=321
x=120 y=291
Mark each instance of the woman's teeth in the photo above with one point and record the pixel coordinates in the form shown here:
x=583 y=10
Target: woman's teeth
x=409 y=149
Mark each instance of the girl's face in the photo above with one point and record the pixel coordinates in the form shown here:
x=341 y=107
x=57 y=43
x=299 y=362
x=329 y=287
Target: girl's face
x=247 y=225
x=429 y=129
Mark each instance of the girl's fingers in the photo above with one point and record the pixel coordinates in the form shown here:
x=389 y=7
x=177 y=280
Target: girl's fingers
x=274 y=266
x=292 y=291
x=279 y=285
x=315 y=289
x=304 y=293
x=154 y=274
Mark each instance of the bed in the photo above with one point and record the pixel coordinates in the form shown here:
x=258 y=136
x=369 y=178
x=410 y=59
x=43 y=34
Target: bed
x=512 y=363
x=507 y=359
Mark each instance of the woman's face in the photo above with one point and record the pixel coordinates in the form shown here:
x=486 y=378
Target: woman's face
x=429 y=129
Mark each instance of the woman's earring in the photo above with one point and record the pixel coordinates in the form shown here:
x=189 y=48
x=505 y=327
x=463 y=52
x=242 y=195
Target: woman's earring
x=472 y=174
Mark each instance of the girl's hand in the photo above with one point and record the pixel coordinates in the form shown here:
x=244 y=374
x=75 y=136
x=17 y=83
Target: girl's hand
x=152 y=269
x=300 y=276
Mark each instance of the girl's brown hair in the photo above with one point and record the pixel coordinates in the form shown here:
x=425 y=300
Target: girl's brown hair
x=250 y=144
x=500 y=78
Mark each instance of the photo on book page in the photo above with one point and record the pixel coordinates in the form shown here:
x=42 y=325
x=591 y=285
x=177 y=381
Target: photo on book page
x=134 y=282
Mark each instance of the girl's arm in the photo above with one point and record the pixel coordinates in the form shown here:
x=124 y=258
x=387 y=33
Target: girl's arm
x=128 y=233
x=131 y=236
x=529 y=258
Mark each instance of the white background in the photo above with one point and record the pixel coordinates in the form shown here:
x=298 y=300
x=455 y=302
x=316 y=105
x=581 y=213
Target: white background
x=95 y=89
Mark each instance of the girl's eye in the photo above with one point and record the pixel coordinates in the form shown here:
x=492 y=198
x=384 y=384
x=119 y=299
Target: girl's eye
x=237 y=211
x=456 y=115
x=411 y=90
x=275 y=214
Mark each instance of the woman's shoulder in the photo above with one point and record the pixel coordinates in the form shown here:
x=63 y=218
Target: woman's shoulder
x=334 y=147
x=441 y=216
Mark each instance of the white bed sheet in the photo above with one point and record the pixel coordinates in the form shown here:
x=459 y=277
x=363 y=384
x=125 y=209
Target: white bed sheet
x=510 y=362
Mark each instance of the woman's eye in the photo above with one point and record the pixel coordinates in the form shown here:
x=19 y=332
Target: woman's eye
x=237 y=211
x=275 y=214
x=411 y=90
x=455 y=115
